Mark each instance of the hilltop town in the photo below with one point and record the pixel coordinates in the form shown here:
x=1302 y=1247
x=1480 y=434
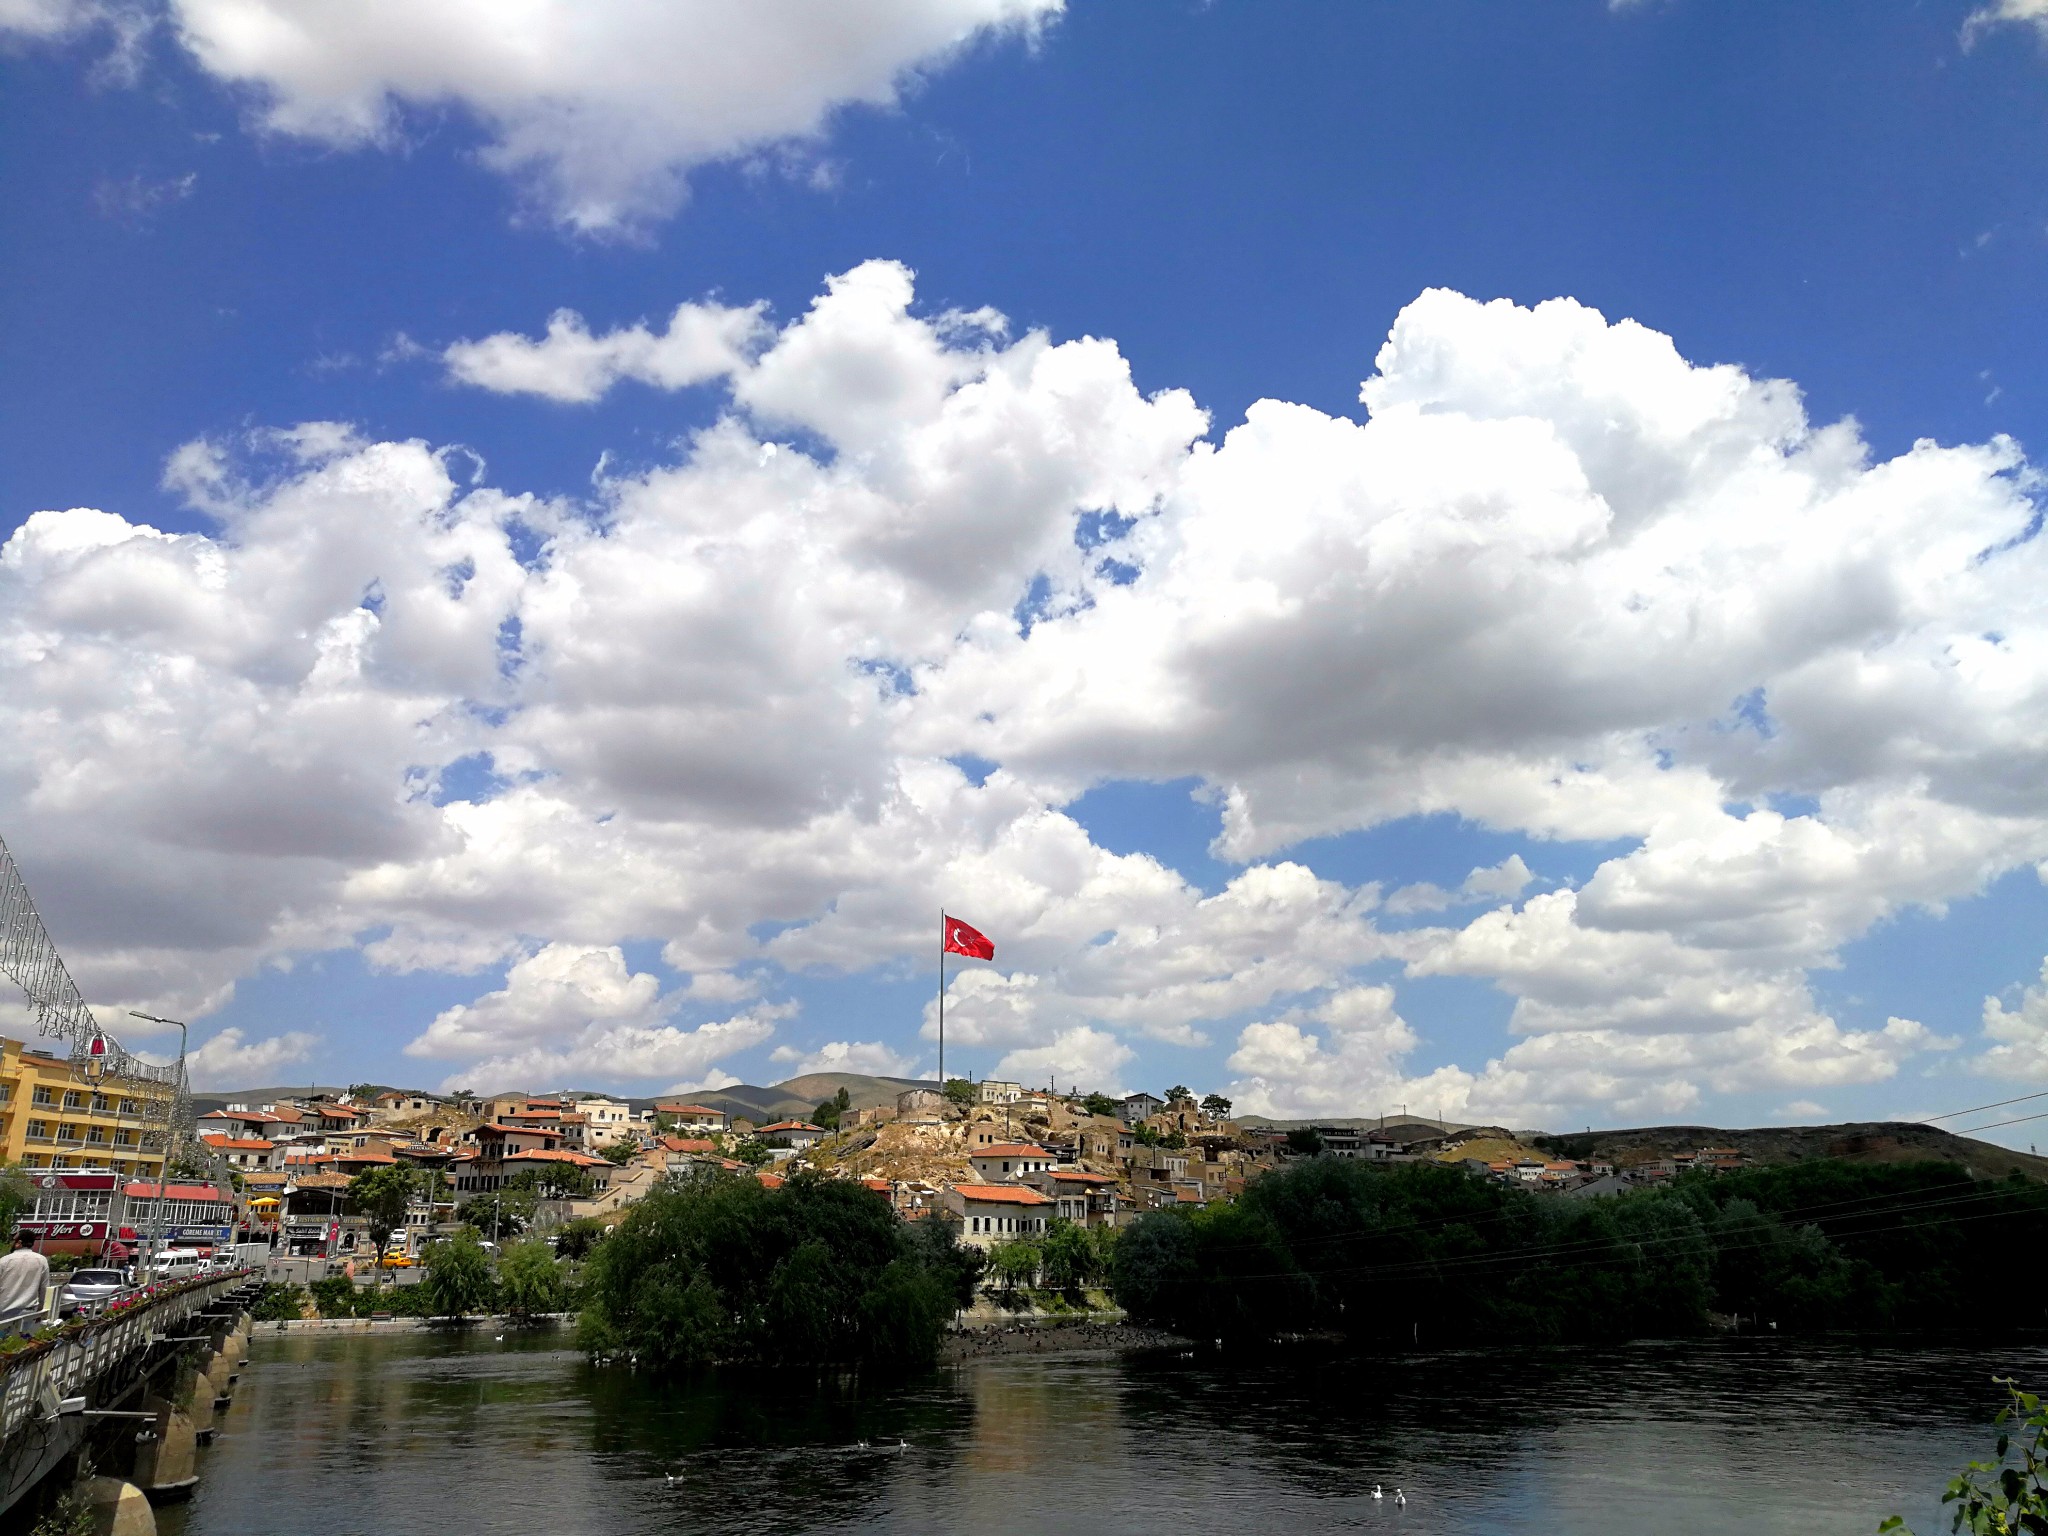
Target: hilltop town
x=1000 y=1159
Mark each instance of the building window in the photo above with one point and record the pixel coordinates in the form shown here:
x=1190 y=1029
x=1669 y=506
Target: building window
x=96 y=1134
x=43 y=1096
x=124 y=1138
x=39 y=1129
x=127 y=1106
x=99 y=1103
x=74 y=1100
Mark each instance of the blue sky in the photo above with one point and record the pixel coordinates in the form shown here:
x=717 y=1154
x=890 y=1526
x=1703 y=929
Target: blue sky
x=207 y=245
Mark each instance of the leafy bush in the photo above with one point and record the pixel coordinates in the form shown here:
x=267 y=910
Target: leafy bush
x=337 y=1296
x=280 y=1303
x=723 y=1270
x=1992 y=1498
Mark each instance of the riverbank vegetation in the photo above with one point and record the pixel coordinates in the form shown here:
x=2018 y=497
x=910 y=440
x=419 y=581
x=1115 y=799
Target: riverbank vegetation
x=1424 y=1252
x=2009 y=1496
x=820 y=1271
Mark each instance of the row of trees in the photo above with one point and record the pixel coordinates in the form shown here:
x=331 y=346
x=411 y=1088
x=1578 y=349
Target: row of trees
x=1425 y=1251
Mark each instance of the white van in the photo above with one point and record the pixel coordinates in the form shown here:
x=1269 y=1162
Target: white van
x=177 y=1264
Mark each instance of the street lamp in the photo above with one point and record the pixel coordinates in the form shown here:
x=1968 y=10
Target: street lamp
x=163 y=1169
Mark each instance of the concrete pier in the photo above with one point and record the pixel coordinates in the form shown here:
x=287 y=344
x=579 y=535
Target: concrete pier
x=167 y=1464
x=118 y=1508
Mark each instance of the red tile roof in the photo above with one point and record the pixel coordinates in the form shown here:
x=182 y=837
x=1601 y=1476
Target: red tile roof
x=577 y=1159
x=686 y=1144
x=770 y=1180
x=238 y=1143
x=1013 y=1149
x=791 y=1125
x=1001 y=1194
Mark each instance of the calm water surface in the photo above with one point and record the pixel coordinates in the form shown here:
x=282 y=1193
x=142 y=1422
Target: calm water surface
x=423 y=1433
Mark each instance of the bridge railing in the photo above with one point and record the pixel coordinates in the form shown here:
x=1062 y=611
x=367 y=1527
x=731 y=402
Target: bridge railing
x=81 y=1354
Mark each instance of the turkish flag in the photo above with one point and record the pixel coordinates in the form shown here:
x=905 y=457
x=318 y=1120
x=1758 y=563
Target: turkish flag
x=971 y=942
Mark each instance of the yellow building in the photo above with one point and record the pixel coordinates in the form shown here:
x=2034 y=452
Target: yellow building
x=52 y=1116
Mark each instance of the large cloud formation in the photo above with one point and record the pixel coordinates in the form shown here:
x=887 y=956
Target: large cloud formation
x=1557 y=580
x=598 y=108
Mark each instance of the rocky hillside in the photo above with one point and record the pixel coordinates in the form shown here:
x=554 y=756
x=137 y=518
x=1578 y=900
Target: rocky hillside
x=1890 y=1141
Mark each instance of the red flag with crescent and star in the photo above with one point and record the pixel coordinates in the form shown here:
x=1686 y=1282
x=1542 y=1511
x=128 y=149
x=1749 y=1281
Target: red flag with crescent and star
x=971 y=942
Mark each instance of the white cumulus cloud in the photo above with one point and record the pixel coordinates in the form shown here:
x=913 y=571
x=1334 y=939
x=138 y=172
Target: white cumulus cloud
x=599 y=108
x=2020 y=1035
x=872 y=1057
x=701 y=342
x=231 y=1060
x=1558 y=581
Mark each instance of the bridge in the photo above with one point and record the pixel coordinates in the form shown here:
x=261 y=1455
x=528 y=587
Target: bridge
x=130 y=1393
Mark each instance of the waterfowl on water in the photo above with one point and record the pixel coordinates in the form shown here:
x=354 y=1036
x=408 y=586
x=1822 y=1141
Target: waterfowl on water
x=1400 y=1497
x=1376 y=1491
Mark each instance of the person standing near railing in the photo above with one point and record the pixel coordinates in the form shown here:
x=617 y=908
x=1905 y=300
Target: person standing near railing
x=24 y=1282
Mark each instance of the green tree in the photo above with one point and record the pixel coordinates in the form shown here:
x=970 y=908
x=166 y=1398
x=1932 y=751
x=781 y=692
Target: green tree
x=620 y=1153
x=1101 y=1104
x=17 y=1194
x=531 y=1280
x=935 y=1244
x=458 y=1277
x=1180 y=1093
x=501 y=1214
x=576 y=1238
x=960 y=1091
x=816 y=1272
x=828 y=1113
x=1069 y=1260
x=752 y=1152
x=1305 y=1141
x=1997 y=1498
x=382 y=1197
x=1217 y=1105
x=1016 y=1263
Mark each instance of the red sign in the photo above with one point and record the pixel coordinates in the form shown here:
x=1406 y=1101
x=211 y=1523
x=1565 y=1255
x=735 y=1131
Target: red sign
x=57 y=1231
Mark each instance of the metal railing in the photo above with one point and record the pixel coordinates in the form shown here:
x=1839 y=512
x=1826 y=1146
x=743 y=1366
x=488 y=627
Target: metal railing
x=35 y=1377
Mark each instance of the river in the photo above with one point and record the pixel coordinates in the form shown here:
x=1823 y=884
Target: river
x=447 y=1436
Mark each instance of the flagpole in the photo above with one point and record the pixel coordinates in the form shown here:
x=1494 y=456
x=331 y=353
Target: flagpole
x=942 y=1000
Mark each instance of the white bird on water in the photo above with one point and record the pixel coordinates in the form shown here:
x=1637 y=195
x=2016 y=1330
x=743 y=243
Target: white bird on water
x=1400 y=1497
x=1376 y=1491
x=673 y=1479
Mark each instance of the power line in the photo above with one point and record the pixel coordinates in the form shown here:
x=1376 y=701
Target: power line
x=1994 y=1125
x=1957 y=1114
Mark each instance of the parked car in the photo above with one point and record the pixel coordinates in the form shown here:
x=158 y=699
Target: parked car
x=397 y=1258
x=88 y=1290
